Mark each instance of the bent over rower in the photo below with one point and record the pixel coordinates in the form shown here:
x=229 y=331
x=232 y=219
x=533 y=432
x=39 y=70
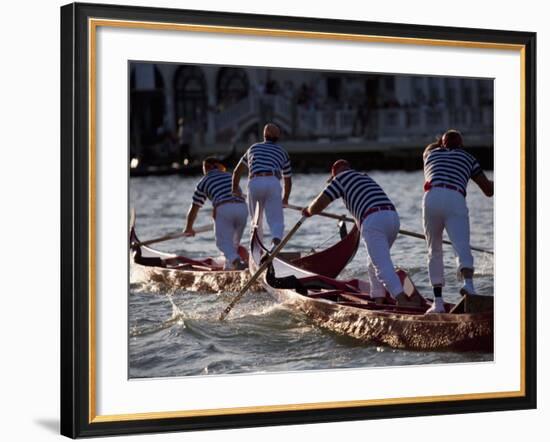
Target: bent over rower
x=447 y=170
x=378 y=220
x=230 y=212
x=267 y=162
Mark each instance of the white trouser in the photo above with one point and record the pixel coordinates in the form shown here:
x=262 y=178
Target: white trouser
x=379 y=231
x=267 y=191
x=446 y=209
x=229 y=224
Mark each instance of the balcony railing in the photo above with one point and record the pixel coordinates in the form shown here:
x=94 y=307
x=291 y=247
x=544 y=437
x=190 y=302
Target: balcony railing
x=390 y=123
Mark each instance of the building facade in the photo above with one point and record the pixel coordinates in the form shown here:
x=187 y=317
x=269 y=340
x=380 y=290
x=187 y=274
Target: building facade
x=197 y=107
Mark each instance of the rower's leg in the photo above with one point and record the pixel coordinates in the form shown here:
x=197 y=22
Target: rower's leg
x=274 y=209
x=458 y=229
x=434 y=223
x=377 y=290
x=255 y=197
x=252 y=198
x=239 y=223
x=224 y=235
x=379 y=232
x=434 y=215
x=239 y=218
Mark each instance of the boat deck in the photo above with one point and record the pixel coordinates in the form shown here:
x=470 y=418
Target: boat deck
x=363 y=301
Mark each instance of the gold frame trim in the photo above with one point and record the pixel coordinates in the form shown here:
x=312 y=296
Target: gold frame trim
x=93 y=24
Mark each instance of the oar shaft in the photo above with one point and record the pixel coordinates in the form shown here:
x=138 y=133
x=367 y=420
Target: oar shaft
x=262 y=268
x=403 y=232
x=325 y=214
x=174 y=235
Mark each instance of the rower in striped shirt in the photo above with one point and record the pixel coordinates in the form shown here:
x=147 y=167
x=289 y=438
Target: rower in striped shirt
x=267 y=162
x=447 y=170
x=230 y=212
x=378 y=220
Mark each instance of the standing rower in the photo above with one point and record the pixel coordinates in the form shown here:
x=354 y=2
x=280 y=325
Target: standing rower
x=447 y=170
x=230 y=212
x=267 y=162
x=378 y=220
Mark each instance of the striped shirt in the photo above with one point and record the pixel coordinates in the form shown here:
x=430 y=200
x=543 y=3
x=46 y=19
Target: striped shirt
x=267 y=157
x=450 y=166
x=216 y=186
x=359 y=192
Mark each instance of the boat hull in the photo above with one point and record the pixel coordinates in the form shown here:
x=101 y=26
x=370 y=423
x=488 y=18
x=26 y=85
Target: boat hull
x=393 y=326
x=207 y=275
x=440 y=332
x=196 y=281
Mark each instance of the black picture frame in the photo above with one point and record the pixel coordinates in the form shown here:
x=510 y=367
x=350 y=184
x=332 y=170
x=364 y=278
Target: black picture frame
x=76 y=418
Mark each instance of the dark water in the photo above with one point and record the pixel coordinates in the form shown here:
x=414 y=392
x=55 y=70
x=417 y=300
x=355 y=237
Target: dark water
x=174 y=332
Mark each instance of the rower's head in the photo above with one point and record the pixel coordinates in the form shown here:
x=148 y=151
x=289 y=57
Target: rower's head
x=452 y=139
x=211 y=163
x=271 y=132
x=339 y=166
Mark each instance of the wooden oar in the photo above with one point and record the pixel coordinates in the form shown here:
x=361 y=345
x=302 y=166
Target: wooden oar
x=175 y=235
x=262 y=268
x=403 y=232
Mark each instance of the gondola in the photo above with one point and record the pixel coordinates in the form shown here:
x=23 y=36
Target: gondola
x=208 y=275
x=346 y=307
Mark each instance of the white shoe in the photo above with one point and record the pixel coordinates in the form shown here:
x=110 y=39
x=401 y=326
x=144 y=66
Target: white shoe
x=468 y=288
x=437 y=307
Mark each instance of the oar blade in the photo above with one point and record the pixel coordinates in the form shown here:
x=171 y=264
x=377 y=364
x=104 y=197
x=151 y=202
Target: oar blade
x=262 y=268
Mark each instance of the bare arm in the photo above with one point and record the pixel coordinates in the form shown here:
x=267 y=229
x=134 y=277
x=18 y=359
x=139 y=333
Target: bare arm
x=236 y=179
x=287 y=187
x=485 y=184
x=318 y=204
x=191 y=216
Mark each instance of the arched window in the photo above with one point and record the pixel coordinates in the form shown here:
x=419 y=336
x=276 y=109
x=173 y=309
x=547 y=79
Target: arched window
x=232 y=86
x=190 y=96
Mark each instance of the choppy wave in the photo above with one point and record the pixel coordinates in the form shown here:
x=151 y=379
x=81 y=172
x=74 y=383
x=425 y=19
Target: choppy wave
x=177 y=318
